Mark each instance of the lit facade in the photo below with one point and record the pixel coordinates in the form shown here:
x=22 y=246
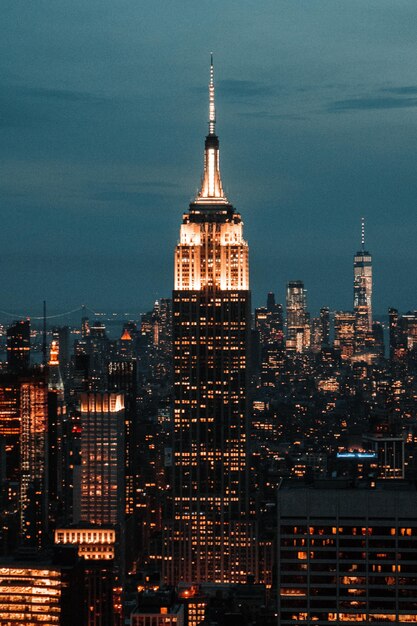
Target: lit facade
x=344 y=333
x=102 y=461
x=298 y=326
x=30 y=596
x=166 y=616
x=347 y=554
x=208 y=536
x=33 y=460
x=10 y=423
x=362 y=285
x=40 y=592
x=93 y=543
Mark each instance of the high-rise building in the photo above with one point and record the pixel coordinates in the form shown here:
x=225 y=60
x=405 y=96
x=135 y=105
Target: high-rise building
x=346 y=554
x=101 y=491
x=325 y=326
x=18 y=347
x=298 y=322
x=34 y=460
x=97 y=547
x=9 y=425
x=394 y=333
x=362 y=284
x=56 y=430
x=208 y=536
x=43 y=591
x=344 y=333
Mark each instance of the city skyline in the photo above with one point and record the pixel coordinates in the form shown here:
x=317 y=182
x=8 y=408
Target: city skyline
x=99 y=163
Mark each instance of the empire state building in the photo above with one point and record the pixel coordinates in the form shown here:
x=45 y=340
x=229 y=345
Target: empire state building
x=208 y=535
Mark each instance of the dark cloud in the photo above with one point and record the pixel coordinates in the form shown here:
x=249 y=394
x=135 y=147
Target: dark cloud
x=268 y=115
x=25 y=107
x=62 y=95
x=145 y=184
x=245 y=89
x=137 y=198
x=401 y=91
x=371 y=104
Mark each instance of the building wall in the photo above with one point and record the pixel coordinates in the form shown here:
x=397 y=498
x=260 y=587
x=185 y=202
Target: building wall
x=347 y=555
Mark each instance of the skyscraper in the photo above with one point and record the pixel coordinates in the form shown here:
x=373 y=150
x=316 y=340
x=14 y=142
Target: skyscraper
x=34 y=460
x=102 y=469
x=18 y=347
x=208 y=536
x=362 y=286
x=298 y=327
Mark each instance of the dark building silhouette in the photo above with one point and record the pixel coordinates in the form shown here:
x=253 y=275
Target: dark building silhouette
x=18 y=347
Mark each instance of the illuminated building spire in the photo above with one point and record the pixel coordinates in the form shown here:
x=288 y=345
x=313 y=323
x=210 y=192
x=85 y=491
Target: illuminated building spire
x=211 y=186
x=363 y=233
x=212 y=106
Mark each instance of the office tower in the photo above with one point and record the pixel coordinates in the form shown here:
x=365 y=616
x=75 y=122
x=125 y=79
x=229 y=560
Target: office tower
x=275 y=321
x=316 y=340
x=97 y=548
x=122 y=377
x=408 y=323
x=56 y=418
x=268 y=353
x=346 y=554
x=9 y=462
x=298 y=326
x=98 y=347
x=161 y=359
x=378 y=338
x=394 y=333
x=18 y=347
x=102 y=458
x=10 y=425
x=208 y=536
x=344 y=333
x=325 y=326
x=34 y=460
x=389 y=448
x=362 y=283
x=61 y=335
x=47 y=591
x=261 y=323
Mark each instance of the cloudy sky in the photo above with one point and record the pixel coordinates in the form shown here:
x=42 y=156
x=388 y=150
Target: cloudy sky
x=103 y=107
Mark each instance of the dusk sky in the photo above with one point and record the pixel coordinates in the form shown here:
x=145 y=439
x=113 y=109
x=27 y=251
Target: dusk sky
x=103 y=114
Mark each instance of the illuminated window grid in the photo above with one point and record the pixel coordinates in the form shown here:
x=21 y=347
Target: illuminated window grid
x=30 y=596
x=348 y=571
x=93 y=543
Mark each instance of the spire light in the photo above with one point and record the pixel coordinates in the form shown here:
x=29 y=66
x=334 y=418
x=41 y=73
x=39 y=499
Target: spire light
x=363 y=233
x=212 y=108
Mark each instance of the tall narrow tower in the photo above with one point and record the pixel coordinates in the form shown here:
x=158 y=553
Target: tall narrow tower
x=208 y=533
x=362 y=281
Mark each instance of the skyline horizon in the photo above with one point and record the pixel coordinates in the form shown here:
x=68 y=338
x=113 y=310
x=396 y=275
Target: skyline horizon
x=316 y=133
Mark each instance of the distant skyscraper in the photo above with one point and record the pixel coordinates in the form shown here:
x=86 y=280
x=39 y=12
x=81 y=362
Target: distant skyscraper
x=209 y=537
x=394 y=332
x=18 y=347
x=298 y=327
x=362 y=283
x=344 y=333
x=325 y=326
